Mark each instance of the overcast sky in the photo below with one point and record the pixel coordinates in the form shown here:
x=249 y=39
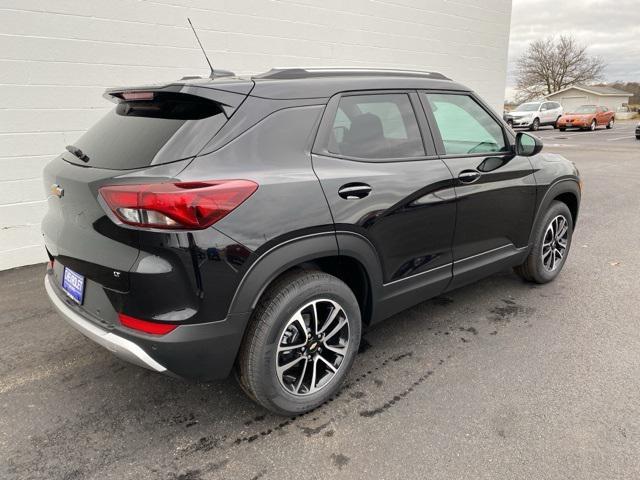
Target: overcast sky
x=610 y=28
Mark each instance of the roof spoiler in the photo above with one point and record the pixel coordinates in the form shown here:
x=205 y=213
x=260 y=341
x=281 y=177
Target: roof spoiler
x=229 y=99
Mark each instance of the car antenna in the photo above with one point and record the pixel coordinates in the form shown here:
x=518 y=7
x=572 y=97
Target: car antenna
x=201 y=47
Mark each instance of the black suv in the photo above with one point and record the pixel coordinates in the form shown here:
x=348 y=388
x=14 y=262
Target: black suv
x=259 y=224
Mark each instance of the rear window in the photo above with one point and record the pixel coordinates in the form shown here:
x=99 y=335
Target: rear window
x=136 y=134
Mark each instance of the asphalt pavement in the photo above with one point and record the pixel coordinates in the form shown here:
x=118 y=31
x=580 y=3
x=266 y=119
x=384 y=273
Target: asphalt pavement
x=498 y=380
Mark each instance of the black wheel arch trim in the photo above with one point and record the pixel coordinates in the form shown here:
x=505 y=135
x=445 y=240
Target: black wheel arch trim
x=295 y=251
x=559 y=187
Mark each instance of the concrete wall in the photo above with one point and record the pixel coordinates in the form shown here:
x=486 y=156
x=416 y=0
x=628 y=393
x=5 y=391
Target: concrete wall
x=57 y=57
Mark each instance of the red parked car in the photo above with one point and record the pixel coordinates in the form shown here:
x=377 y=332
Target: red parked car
x=587 y=117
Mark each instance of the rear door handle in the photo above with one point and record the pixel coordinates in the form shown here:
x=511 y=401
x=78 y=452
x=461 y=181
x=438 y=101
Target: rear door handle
x=354 y=191
x=469 y=176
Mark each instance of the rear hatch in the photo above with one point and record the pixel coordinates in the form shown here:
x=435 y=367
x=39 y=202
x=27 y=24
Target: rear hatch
x=152 y=133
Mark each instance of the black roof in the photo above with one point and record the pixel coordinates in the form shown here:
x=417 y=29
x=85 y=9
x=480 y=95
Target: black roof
x=290 y=83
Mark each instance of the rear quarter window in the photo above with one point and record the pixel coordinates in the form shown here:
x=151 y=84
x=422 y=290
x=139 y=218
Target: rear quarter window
x=138 y=134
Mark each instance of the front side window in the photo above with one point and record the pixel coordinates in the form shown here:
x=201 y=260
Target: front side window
x=376 y=126
x=465 y=127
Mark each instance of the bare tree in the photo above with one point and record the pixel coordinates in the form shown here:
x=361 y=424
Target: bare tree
x=551 y=64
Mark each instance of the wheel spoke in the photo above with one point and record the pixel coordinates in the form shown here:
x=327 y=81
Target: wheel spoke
x=304 y=371
x=341 y=323
x=288 y=348
x=297 y=318
x=314 y=371
x=334 y=313
x=338 y=350
x=562 y=232
x=283 y=368
x=314 y=327
x=327 y=363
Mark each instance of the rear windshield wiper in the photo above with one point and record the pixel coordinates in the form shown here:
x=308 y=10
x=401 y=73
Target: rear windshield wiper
x=77 y=152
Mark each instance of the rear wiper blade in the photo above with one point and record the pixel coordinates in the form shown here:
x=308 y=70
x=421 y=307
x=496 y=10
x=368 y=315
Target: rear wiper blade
x=77 y=152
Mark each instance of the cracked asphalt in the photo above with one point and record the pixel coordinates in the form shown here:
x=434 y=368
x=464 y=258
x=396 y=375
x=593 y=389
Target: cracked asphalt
x=500 y=379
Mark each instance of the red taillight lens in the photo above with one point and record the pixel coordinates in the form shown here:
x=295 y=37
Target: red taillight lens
x=131 y=96
x=183 y=205
x=155 y=328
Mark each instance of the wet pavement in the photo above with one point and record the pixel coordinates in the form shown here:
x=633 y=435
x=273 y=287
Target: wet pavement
x=500 y=379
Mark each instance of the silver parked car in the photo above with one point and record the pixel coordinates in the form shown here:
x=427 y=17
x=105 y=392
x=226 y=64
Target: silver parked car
x=533 y=115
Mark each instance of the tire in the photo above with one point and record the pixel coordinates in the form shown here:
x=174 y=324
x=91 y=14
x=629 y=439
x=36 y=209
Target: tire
x=535 y=125
x=562 y=129
x=610 y=124
x=275 y=325
x=536 y=267
x=593 y=125
x=637 y=137
x=555 y=124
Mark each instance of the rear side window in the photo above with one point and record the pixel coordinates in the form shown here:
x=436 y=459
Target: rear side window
x=136 y=134
x=465 y=127
x=376 y=127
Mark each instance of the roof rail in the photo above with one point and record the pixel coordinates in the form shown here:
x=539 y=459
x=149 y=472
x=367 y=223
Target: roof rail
x=292 y=73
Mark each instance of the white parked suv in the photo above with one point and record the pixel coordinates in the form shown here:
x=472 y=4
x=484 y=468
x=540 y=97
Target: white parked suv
x=534 y=115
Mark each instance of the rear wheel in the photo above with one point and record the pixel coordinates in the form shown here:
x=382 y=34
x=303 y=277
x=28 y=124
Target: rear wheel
x=610 y=124
x=301 y=343
x=552 y=240
x=562 y=129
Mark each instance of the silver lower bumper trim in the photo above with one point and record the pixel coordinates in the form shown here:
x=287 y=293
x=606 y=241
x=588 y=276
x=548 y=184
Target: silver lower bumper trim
x=121 y=347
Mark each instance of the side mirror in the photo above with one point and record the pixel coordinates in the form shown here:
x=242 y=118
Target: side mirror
x=527 y=145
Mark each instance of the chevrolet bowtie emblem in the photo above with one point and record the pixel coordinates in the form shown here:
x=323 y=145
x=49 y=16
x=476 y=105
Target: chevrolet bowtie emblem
x=57 y=190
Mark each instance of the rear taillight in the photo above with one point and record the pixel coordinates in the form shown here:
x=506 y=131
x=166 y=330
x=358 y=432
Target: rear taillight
x=154 y=328
x=183 y=205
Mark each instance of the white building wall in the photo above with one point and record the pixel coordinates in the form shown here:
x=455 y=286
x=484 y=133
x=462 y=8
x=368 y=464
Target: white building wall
x=57 y=57
x=573 y=98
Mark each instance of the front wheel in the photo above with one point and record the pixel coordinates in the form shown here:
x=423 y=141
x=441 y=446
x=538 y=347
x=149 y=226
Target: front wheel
x=610 y=124
x=301 y=342
x=593 y=125
x=552 y=240
x=535 y=125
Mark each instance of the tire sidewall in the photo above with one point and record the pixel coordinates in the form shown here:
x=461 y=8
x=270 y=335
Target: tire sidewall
x=535 y=125
x=270 y=388
x=540 y=273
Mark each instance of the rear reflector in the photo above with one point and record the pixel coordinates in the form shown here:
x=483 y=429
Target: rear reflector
x=183 y=205
x=145 y=326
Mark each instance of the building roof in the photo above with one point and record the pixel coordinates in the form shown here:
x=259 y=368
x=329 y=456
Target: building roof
x=596 y=90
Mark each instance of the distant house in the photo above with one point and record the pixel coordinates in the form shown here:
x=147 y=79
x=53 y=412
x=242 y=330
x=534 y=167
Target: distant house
x=576 y=95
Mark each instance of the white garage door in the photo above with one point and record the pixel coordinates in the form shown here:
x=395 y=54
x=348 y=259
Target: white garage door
x=569 y=104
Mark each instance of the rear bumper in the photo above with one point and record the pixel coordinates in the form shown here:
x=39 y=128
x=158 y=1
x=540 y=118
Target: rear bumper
x=204 y=351
x=121 y=347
